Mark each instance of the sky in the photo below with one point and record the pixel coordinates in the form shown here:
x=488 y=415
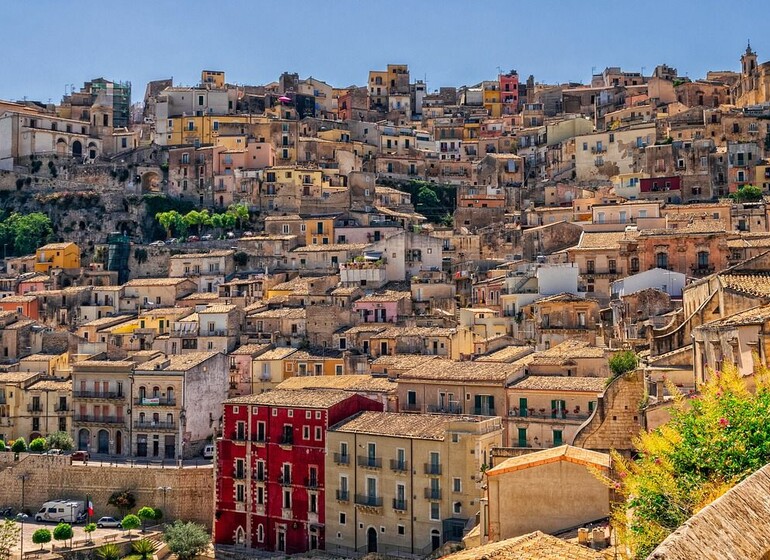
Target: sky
x=45 y=45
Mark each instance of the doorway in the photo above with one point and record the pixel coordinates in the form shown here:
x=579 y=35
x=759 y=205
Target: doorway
x=103 y=442
x=84 y=438
x=118 y=443
x=371 y=540
x=435 y=539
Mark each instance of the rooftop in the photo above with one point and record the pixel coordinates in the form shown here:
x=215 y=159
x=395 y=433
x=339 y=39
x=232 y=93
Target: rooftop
x=142 y=282
x=177 y=362
x=282 y=313
x=508 y=354
x=568 y=350
x=567 y=453
x=223 y=253
x=604 y=239
x=395 y=424
x=533 y=546
x=561 y=383
x=361 y=383
x=756 y=284
x=385 y=295
x=461 y=372
x=303 y=398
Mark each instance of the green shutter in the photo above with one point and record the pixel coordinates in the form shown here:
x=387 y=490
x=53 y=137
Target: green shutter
x=522 y=437
x=491 y=405
x=523 y=407
x=557 y=438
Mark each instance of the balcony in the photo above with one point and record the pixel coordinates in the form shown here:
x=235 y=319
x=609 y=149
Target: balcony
x=238 y=436
x=432 y=494
x=286 y=439
x=433 y=469
x=155 y=426
x=399 y=504
x=259 y=476
x=451 y=408
x=369 y=462
x=343 y=496
x=340 y=459
x=100 y=395
x=411 y=407
x=369 y=501
x=239 y=474
x=35 y=408
x=399 y=466
x=61 y=408
x=155 y=401
x=91 y=419
x=284 y=479
x=702 y=270
x=259 y=439
x=311 y=482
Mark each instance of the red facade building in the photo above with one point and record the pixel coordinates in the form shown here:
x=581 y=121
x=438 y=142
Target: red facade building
x=270 y=467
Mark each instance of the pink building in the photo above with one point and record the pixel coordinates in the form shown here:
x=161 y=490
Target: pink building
x=384 y=307
x=509 y=92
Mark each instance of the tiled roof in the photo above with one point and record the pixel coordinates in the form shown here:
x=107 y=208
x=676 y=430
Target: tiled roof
x=345 y=291
x=565 y=297
x=282 y=313
x=395 y=332
x=18 y=299
x=166 y=311
x=201 y=295
x=222 y=253
x=40 y=357
x=222 y=308
x=533 y=546
x=365 y=328
x=568 y=350
x=177 y=362
x=561 y=383
x=307 y=398
x=55 y=246
x=363 y=383
x=105 y=321
x=143 y=282
x=508 y=354
x=52 y=385
x=604 y=240
x=249 y=349
x=385 y=295
x=276 y=353
x=756 y=284
x=395 y=424
x=16 y=376
x=698 y=225
x=563 y=453
x=402 y=361
x=753 y=316
x=331 y=247
x=461 y=372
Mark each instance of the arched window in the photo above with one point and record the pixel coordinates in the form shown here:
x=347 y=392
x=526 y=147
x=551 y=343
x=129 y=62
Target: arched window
x=155 y=392
x=142 y=392
x=169 y=418
x=141 y=417
x=260 y=533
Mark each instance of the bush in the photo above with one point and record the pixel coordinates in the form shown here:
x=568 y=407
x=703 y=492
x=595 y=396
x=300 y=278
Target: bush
x=623 y=362
x=145 y=514
x=19 y=445
x=747 y=193
x=41 y=537
x=713 y=441
x=60 y=440
x=3 y=447
x=143 y=548
x=186 y=539
x=63 y=532
x=108 y=552
x=88 y=529
x=38 y=445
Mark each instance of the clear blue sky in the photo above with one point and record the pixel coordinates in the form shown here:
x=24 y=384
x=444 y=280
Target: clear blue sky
x=46 y=44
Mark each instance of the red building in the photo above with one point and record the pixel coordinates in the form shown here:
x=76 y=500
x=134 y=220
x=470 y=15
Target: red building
x=509 y=92
x=659 y=184
x=270 y=467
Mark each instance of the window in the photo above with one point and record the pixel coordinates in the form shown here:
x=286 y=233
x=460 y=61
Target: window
x=557 y=438
x=435 y=511
x=338 y=369
x=305 y=432
x=260 y=533
x=457 y=508
x=313 y=503
x=661 y=260
x=318 y=433
x=343 y=518
x=703 y=259
x=590 y=267
x=240 y=493
x=401 y=530
x=457 y=484
x=634 y=264
x=613 y=266
x=287 y=499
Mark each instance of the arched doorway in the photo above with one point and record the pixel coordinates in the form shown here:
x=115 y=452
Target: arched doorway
x=240 y=536
x=103 y=441
x=371 y=540
x=84 y=439
x=34 y=435
x=77 y=148
x=61 y=147
x=91 y=150
x=435 y=539
x=118 y=443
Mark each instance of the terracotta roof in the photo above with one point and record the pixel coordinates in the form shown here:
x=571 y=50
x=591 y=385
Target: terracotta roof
x=694 y=225
x=402 y=361
x=16 y=376
x=533 y=546
x=508 y=354
x=165 y=311
x=282 y=313
x=757 y=284
x=141 y=282
x=307 y=398
x=222 y=253
x=201 y=295
x=222 y=308
x=249 y=349
x=397 y=424
x=18 y=299
x=365 y=328
x=177 y=362
x=331 y=247
x=568 y=350
x=604 y=240
x=565 y=297
x=395 y=332
x=561 y=383
x=276 y=353
x=109 y=321
x=385 y=295
x=461 y=372
x=362 y=383
x=51 y=385
x=563 y=453
x=40 y=357
x=345 y=291
x=55 y=246
x=753 y=316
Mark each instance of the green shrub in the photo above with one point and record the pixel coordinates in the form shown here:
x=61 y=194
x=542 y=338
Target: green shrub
x=19 y=445
x=41 y=537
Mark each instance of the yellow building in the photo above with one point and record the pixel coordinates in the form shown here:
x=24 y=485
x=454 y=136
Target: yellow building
x=57 y=255
x=319 y=230
x=215 y=78
x=413 y=484
x=33 y=406
x=318 y=361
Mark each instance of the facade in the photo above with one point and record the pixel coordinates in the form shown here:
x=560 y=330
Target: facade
x=404 y=483
x=271 y=472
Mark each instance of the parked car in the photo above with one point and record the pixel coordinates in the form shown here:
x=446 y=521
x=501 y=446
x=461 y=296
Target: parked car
x=107 y=522
x=230 y=235
x=207 y=237
x=80 y=455
x=248 y=234
x=208 y=451
x=157 y=243
x=193 y=238
x=54 y=452
x=172 y=241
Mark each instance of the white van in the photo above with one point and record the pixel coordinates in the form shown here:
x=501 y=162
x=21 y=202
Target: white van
x=60 y=511
x=208 y=451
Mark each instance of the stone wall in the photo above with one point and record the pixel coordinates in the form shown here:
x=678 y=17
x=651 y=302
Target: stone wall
x=53 y=477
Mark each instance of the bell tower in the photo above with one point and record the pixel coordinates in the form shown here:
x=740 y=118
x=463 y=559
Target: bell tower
x=748 y=61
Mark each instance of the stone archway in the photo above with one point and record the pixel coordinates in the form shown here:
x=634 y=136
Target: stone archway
x=150 y=182
x=61 y=147
x=92 y=150
x=84 y=439
x=77 y=148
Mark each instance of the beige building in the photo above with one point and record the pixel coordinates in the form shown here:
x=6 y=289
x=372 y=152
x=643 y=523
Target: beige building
x=154 y=292
x=207 y=270
x=32 y=405
x=550 y=491
x=414 y=484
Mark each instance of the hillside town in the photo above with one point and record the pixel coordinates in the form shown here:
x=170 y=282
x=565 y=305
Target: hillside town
x=382 y=318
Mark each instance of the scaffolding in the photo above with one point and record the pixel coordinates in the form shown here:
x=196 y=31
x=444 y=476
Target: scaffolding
x=118 y=253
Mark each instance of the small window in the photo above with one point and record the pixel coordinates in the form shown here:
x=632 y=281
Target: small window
x=343 y=518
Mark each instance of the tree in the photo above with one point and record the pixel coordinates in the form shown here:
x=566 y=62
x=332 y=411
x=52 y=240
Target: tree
x=3 y=447
x=130 y=522
x=9 y=536
x=158 y=514
x=186 y=539
x=19 y=445
x=63 y=532
x=60 y=440
x=146 y=514
x=144 y=548
x=623 y=362
x=38 y=445
x=168 y=220
x=747 y=193
x=88 y=529
x=123 y=500
x=713 y=441
x=240 y=212
x=108 y=552
x=41 y=537
x=24 y=233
